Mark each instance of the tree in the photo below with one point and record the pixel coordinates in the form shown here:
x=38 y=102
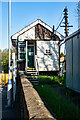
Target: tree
x=5 y=60
x=0 y=61
x=0 y=55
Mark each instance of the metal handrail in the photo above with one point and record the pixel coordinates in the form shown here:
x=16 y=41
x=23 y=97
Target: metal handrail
x=37 y=66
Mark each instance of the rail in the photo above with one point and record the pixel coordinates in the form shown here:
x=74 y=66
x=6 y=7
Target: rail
x=37 y=65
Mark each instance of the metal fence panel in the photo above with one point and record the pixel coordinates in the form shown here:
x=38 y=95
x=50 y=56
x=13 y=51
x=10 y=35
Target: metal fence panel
x=69 y=63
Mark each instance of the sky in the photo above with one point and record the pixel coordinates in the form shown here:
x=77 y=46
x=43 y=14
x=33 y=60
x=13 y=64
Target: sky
x=24 y=13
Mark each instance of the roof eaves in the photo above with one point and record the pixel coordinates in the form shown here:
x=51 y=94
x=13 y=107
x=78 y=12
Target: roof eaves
x=73 y=34
x=24 y=28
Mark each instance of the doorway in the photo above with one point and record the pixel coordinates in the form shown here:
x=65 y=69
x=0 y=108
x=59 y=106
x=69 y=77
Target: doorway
x=30 y=56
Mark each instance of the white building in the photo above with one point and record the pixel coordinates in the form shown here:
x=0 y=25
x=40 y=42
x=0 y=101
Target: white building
x=37 y=47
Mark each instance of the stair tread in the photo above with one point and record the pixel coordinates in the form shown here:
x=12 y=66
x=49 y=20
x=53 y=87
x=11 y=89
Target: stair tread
x=31 y=70
x=34 y=81
x=31 y=73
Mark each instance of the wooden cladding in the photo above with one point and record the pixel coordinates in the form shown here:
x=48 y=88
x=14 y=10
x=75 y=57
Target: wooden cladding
x=42 y=33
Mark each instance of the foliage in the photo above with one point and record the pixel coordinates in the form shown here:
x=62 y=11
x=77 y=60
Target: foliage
x=59 y=105
x=52 y=80
x=62 y=55
x=0 y=55
x=0 y=60
x=5 y=60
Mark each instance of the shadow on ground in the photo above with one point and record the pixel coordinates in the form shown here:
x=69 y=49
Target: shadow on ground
x=12 y=113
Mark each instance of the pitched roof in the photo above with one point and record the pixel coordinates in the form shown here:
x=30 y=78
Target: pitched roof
x=72 y=35
x=38 y=21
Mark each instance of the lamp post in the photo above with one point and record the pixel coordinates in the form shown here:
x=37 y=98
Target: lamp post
x=9 y=87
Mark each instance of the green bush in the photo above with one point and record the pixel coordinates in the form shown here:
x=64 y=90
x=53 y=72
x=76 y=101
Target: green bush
x=52 y=80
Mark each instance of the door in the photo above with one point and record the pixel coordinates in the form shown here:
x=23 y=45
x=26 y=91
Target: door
x=30 y=56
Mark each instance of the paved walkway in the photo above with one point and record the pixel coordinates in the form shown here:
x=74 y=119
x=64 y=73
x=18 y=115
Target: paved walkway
x=6 y=113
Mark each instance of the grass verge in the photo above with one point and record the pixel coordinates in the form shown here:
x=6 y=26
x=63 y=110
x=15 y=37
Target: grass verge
x=59 y=105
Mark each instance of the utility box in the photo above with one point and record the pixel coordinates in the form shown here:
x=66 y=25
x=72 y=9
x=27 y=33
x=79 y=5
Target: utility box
x=73 y=61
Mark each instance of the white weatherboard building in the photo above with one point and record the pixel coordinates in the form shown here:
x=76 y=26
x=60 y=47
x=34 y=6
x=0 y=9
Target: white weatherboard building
x=73 y=61
x=37 y=47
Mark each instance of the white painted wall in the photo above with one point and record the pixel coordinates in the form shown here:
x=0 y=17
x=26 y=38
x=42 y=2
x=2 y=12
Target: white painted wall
x=48 y=62
x=30 y=34
x=21 y=38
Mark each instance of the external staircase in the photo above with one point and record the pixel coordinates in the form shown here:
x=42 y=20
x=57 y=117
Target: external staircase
x=33 y=75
